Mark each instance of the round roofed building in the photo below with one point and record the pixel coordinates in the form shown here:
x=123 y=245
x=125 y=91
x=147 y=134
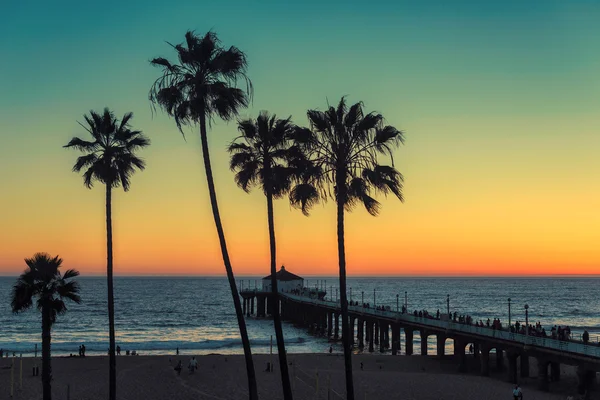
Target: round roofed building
x=286 y=281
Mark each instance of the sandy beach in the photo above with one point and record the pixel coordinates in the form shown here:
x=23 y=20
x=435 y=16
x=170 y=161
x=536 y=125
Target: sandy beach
x=222 y=377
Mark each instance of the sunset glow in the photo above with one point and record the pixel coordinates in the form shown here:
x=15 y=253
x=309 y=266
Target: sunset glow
x=499 y=106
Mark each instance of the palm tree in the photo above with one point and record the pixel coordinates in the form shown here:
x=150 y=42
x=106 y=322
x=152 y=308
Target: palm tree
x=200 y=86
x=343 y=145
x=43 y=281
x=260 y=157
x=109 y=159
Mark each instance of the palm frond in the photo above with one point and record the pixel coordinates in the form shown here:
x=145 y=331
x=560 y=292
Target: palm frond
x=163 y=62
x=304 y=196
x=82 y=145
x=23 y=291
x=358 y=190
x=70 y=274
x=226 y=101
x=239 y=160
x=85 y=161
x=247 y=128
x=70 y=290
x=248 y=175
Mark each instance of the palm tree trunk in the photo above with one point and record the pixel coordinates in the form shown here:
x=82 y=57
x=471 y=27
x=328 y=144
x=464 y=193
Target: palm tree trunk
x=112 y=361
x=252 y=388
x=46 y=363
x=283 y=367
x=343 y=300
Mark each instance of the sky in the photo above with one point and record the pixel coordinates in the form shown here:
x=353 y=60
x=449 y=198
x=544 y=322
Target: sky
x=499 y=102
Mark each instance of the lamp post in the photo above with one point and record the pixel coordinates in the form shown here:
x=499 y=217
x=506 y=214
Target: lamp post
x=350 y=295
x=374 y=302
x=509 y=325
x=331 y=293
x=362 y=296
x=336 y=295
x=526 y=319
x=448 y=305
x=406 y=300
x=397 y=303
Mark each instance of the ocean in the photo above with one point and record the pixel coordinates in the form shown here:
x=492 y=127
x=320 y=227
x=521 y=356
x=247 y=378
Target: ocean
x=156 y=315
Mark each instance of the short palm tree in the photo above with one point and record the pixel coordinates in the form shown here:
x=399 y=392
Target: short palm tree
x=110 y=159
x=344 y=145
x=199 y=86
x=43 y=282
x=260 y=157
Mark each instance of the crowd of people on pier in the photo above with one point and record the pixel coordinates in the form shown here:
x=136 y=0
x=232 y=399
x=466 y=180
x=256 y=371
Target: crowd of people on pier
x=537 y=330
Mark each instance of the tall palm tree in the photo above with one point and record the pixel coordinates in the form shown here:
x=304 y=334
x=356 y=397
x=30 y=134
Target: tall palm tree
x=344 y=145
x=199 y=86
x=260 y=157
x=43 y=281
x=110 y=159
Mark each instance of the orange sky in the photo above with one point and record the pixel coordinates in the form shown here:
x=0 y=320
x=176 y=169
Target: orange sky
x=467 y=212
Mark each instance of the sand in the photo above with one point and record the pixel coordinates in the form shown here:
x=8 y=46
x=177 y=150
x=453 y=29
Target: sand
x=221 y=377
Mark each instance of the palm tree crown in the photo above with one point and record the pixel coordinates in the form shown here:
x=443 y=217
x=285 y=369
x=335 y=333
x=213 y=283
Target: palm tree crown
x=110 y=157
x=262 y=155
x=43 y=281
x=203 y=82
x=344 y=144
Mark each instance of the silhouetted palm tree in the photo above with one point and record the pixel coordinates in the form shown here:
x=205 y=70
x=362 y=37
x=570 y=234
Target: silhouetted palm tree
x=260 y=158
x=109 y=159
x=344 y=145
x=200 y=86
x=43 y=281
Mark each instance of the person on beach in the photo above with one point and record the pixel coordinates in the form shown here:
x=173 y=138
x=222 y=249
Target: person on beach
x=193 y=365
x=586 y=336
x=517 y=394
x=177 y=351
x=330 y=349
x=178 y=368
x=118 y=350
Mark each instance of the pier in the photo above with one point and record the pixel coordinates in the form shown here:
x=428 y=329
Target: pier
x=382 y=329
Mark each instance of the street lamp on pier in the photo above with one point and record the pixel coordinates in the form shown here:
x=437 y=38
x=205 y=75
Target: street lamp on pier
x=448 y=305
x=350 y=295
x=397 y=303
x=406 y=300
x=509 y=324
x=362 y=296
x=374 y=302
x=526 y=319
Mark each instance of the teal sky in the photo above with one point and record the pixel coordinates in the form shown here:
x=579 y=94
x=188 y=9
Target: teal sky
x=499 y=99
x=452 y=58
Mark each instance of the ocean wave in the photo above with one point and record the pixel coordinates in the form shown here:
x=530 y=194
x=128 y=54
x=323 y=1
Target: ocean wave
x=142 y=346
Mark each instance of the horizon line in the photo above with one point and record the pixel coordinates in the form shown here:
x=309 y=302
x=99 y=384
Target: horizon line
x=333 y=276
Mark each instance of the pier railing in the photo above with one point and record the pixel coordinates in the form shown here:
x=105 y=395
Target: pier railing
x=542 y=342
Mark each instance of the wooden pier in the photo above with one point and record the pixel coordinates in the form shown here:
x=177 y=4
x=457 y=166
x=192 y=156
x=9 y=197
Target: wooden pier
x=377 y=329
